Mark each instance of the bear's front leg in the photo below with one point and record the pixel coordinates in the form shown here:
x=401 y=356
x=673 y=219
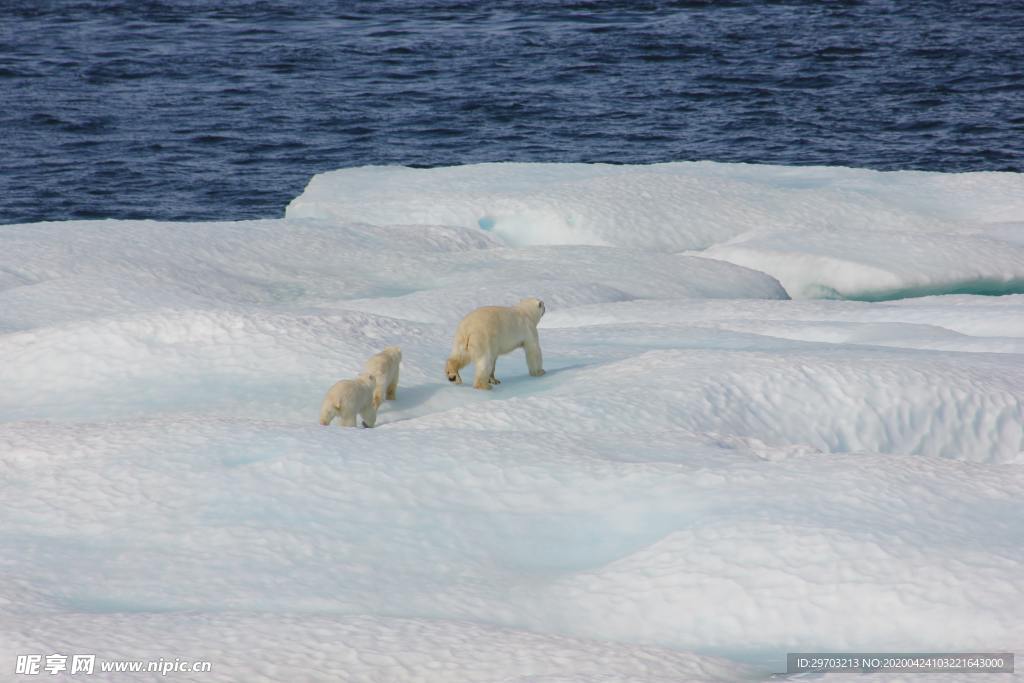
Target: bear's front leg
x=347 y=418
x=369 y=416
x=534 y=360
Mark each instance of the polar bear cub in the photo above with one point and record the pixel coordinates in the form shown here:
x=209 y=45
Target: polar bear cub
x=384 y=366
x=493 y=331
x=348 y=398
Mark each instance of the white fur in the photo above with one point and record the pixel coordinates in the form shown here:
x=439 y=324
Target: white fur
x=348 y=398
x=384 y=366
x=493 y=331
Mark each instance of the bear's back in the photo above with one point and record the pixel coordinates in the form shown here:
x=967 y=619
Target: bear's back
x=493 y=319
x=350 y=389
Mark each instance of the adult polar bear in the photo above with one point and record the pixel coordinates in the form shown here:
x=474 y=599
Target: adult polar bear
x=492 y=331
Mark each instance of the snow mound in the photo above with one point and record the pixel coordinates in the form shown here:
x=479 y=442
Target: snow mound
x=876 y=266
x=876 y=401
x=977 y=319
x=697 y=565
x=139 y=266
x=673 y=206
x=824 y=232
x=273 y=648
x=199 y=361
x=222 y=532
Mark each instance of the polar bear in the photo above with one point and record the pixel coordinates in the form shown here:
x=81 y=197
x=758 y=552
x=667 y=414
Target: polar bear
x=348 y=398
x=493 y=331
x=384 y=366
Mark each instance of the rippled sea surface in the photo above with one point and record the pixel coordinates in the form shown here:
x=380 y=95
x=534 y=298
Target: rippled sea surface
x=192 y=109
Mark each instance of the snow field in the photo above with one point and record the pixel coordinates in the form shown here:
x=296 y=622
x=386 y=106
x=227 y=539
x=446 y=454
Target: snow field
x=708 y=476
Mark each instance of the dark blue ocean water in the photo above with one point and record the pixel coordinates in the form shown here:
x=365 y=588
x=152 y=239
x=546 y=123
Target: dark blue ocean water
x=188 y=109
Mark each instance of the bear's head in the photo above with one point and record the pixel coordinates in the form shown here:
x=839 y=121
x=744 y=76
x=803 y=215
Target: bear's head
x=534 y=308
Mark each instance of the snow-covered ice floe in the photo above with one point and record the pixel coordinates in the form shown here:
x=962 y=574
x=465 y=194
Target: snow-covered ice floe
x=836 y=232
x=709 y=475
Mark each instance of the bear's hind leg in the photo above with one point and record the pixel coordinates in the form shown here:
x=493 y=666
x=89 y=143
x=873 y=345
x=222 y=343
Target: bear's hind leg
x=484 y=370
x=327 y=414
x=455 y=362
x=392 y=388
x=347 y=417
